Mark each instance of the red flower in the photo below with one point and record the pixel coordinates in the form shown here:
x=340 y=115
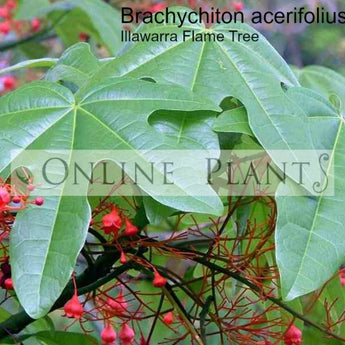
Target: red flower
x=36 y=24
x=159 y=6
x=73 y=308
x=126 y=335
x=131 y=229
x=123 y=258
x=39 y=201
x=30 y=187
x=192 y=3
x=158 y=280
x=168 y=318
x=4 y=12
x=8 y=284
x=238 y=6
x=341 y=275
x=108 y=335
x=16 y=199
x=83 y=37
x=5 y=197
x=11 y=4
x=5 y=27
x=9 y=82
x=293 y=336
x=112 y=222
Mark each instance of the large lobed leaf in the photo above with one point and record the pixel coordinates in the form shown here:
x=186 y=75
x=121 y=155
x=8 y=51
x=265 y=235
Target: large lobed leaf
x=113 y=115
x=252 y=72
x=310 y=235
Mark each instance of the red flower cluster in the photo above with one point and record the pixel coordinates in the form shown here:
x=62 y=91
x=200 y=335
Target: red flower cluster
x=126 y=335
x=8 y=24
x=17 y=201
x=113 y=222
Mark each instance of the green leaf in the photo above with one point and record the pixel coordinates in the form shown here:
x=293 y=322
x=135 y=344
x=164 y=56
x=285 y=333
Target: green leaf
x=27 y=9
x=323 y=80
x=105 y=19
x=134 y=133
x=76 y=65
x=46 y=240
x=58 y=338
x=219 y=70
x=38 y=63
x=310 y=234
x=94 y=17
x=44 y=246
x=34 y=50
x=233 y=121
x=156 y=212
x=41 y=325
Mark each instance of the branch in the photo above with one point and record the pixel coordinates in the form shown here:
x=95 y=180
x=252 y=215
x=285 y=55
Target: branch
x=92 y=278
x=274 y=300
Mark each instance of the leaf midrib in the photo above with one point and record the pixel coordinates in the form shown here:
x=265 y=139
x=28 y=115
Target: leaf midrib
x=56 y=213
x=320 y=199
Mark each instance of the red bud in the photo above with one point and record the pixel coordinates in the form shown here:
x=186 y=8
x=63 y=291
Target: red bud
x=158 y=280
x=168 y=318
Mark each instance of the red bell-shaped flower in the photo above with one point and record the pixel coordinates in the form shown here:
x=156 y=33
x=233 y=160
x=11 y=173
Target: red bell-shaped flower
x=293 y=336
x=108 y=335
x=5 y=28
x=4 y=12
x=238 y=5
x=11 y=4
x=8 y=284
x=123 y=258
x=73 y=308
x=126 y=335
x=131 y=229
x=9 y=82
x=39 y=201
x=36 y=25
